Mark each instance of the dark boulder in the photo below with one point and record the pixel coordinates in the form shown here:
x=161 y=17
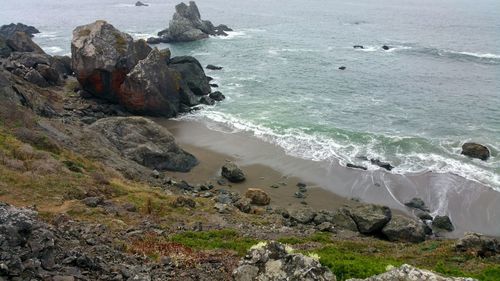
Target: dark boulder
x=21 y=42
x=349 y=165
x=5 y=50
x=207 y=100
x=192 y=73
x=443 y=222
x=478 y=245
x=101 y=57
x=33 y=76
x=381 y=164
x=62 y=64
x=475 y=150
x=214 y=67
x=145 y=142
x=217 y=96
x=232 y=172
x=49 y=74
x=223 y=27
x=385 y=47
x=417 y=203
x=151 y=87
x=9 y=30
x=358 y=47
x=371 y=218
x=403 y=229
x=342 y=68
x=140 y=4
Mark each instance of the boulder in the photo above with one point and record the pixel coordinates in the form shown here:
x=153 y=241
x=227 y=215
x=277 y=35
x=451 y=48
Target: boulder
x=192 y=73
x=207 y=100
x=62 y=64
x=232 y=172
x=349 y=165
x=140 y=4
x=214 y=67
x=271 y=261
x=102 y=56
x=5 y=50
x=258 y=196
x=9 y=30
x=303 y=215
x=381 y=164
x=33 y=76
x=410 y=273
x=403 y=229
x=187 y=25
x=151 y=87
x=342 y=68
x=417 y=203
x=478 y=245
x=49 y=74
x=30 y=60
x=223 y=27
x=21 y=42
x=144 y=142
x=475 y=150
x=244 y=205
x=341 y=218
x=370 y=218
x=385 y=47
x=217 y=96
x=443 y=222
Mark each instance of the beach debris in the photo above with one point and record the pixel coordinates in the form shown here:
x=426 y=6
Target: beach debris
x=275 y=261
x=476 y=150
x=358 y=47
x=258 y=196
x=478 y=245
x=404 y=229
x=232 y=172
x=381 y=164
x=186 y=25
x=140 y=4
x=370 y=218
x=213 y=67
x=349 y=165
x=385 y=47
x=443 y=222
x=417 y=203
x=408 y=272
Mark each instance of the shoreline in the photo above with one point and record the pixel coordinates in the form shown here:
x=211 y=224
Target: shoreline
x=470 y=205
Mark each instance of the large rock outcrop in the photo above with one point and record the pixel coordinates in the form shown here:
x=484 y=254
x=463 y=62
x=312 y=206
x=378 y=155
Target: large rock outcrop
x=101 y=57
x=152 y=87
x=187 y=25
x=5 y=50
x=145 y=142
x=10 y=29
x=21 y=42
x=410 y=273
x=192 y=74
x=271 y=261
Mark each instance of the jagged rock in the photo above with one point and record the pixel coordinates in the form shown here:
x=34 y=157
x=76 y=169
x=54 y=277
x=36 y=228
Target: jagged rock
x=232 y=172
x=207 y=100
x=410 y=273
x=478 y=245
x=443 y=222
x=36 y=78
x=370 y=218
x=403 y=229
x=145 y=142
x=271 y=261
x=50 y=74
x=102 y=56
x=258 y=196
x=223 y=27
x=475 y=150
x=192 y=73
x=187 y=25
x=9 y=30
x=214 y=67
x=21 y=42
x=140 y=4
x=417 y=203
x=151 y=87
x=381 y=164
x=5 y=50
x=62 y=64
x=217 y=96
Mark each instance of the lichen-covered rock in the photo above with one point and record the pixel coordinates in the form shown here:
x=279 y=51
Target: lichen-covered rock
x=258 y=196
x=145 y=142
x=151 y=87
x=404 y=229
x=410 y=273
x=478 y=245
x=232 y=172
x=371 y=218
x=271 y=262
x=102 y=56
x=476 y=150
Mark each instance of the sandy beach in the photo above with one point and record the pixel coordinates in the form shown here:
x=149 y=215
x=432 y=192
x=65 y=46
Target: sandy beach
x=470 y=205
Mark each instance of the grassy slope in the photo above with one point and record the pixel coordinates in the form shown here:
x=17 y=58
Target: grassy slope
x=53 y=178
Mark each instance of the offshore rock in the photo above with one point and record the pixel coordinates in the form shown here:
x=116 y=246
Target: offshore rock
x=475 y=150
x=9 y=30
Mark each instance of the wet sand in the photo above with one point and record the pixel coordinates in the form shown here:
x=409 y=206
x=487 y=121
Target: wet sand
x=470 y=205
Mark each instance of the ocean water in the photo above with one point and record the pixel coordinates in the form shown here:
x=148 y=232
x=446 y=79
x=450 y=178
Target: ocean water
x=413 y=106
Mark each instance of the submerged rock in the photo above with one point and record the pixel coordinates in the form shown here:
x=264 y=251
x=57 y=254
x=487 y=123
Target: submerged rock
x=145 y=142
x=404 y=229
x=475 y=150
x=214 y=67
x=371 y=218
x=271 y=261
x=410 y=273
x=232 y=172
